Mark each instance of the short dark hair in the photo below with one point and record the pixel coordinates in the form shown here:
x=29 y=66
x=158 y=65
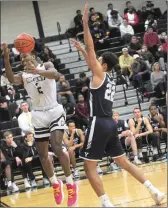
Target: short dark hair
x=114 y=12
x=128 y=2
x=27 y=133
x=110 y=4
x=152 y=105
x=136 y=109
x=91 y=9
x=78 y=11
x=110 y=59
x=70 y=121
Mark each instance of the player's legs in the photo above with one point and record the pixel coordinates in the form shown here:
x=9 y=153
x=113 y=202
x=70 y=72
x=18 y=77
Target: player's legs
x=56 y=144
x=72 y=158
x=130 y=140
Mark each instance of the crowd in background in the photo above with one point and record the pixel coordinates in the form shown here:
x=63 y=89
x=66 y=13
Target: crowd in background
x=142 y=64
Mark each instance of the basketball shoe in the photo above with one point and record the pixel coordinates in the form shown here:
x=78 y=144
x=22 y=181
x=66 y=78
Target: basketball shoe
x=58 y=192
x=72 y=194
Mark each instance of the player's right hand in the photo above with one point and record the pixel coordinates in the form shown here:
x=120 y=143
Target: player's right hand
x=140 y=120
x=5 y=51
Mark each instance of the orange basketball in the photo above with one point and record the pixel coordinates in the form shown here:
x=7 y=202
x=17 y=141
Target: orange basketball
x=24 y=43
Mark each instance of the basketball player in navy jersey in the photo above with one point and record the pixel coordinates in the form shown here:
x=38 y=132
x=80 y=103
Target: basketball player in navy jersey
x=48 y=118
x=102 y=134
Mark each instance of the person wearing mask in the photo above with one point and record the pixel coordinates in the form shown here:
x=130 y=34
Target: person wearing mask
x=74 y=140
x=140 y=127
x=63 y=88
x=24 y=119
x=82 y=112
x=31 y=159
x=158 y=81
x=12 y=152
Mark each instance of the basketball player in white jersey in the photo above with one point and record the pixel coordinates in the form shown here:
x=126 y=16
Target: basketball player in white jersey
x=48 y=118
x=102 y=133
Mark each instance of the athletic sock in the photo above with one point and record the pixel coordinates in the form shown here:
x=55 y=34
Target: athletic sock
x=53 y=179
x=150 y=187
x=135 y=157
x=9 y=183
x=69 y=180
x=103 y=198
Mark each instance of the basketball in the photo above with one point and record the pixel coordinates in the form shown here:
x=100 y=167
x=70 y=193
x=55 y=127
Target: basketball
x=24 y=43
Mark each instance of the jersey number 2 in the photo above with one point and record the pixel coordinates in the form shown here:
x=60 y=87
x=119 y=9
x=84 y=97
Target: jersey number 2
x=110 y=91
x=39 y=88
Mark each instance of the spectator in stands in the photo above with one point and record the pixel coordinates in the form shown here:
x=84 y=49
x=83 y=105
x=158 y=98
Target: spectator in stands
x=98 y=36
x=114 y=23
x=126 y=136
x=165 y=45
x=151 y=40
x=147 y=56
x=158 y=80
x=128 y=6
x=157 y=122
x=131 y=16
x=125 y=28
x=99 y=16
x=78 y=22
x=24 y=119
x=82 y=85
x=47 y=55
x=140 y=127
x=156 y=12
x=13 y=153
x=31 y=159
x=74 y=140
x=161 y=57
x=5 y=167
x=93 y=20
x=140 y=70
x=4 y=82
x=143 y=14
x=134 y=46
x=63 y=88
x=125 y=62
x=150 y=21
x=82 y=112
x=8 y=110
x=109 y=10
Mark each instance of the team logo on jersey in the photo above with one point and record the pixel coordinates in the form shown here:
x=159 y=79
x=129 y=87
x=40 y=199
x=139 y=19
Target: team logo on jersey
x=34 y=79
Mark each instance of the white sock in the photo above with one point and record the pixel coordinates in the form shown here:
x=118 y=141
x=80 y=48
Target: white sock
x=9 y=183
x=103 y=198
x=135 y=157
x=69 y=180
x=150 y=187
x=53 y=179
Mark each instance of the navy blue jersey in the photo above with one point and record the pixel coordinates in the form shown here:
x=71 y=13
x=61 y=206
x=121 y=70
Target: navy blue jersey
x=101 y=98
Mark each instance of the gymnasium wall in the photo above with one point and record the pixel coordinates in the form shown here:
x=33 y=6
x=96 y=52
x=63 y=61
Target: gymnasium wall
x=18 y=16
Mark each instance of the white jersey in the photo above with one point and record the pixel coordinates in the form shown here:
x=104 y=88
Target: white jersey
x=41 y=90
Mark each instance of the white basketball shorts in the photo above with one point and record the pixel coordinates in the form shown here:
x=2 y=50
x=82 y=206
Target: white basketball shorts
x=45 y=121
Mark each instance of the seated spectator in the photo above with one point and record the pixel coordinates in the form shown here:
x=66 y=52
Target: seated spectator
x=8 y=110
x=158 y=81
x=5 y=167
x=126 y=136
x=98 y=36
x=156 y=12
x=151 y=40
x=99 y=16
x=140 y=71
x=31 y=159
x=161 y=57
x=47 y=55
x=5 y=82
x=63 y=88
x=78 y=22
x=140 y=127
x=24 y=119
x=82 y=85
x=93 y=20
x=125 y=28
x=125 y=62
x=74 y=140
x=114 y=23
x=82 y=112
x=165 y=48
x=134 y=46
x=131 y=16
x=109 y=10
x=13 y=153
x=150 y=21
x=157 y=122
x=128 y=6
x=143 y=14
x=147 y=56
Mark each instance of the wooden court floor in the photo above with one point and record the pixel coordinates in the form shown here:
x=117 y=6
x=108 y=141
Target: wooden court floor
x=121 y=187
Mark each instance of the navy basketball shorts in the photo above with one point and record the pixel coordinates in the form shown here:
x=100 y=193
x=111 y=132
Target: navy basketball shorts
x=101 y=137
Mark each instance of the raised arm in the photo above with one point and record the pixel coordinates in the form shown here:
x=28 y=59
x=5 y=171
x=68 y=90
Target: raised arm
x=93 y=63
x=14 y=79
